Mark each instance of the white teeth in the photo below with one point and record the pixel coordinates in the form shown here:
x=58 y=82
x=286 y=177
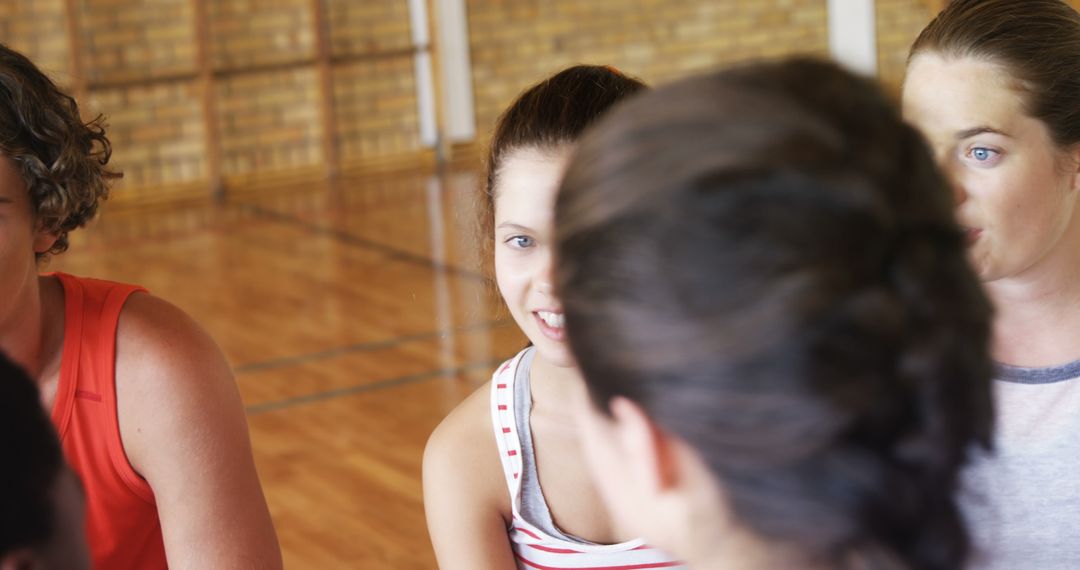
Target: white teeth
x=553 y=320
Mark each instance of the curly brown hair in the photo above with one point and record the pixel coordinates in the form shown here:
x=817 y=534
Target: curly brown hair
x=62 y=159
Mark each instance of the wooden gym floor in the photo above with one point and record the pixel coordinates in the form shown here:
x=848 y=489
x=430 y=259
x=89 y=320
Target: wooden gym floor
x=355 y=318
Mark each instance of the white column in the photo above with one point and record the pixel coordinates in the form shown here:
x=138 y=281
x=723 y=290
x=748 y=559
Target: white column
x=444 y=302
x=457 y=105
x=425 y=80
x=853 y=35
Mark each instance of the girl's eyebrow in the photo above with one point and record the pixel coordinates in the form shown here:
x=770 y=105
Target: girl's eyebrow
x=968 y=133
x=513 y=226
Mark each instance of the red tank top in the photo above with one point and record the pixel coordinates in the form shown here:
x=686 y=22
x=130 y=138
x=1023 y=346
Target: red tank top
x=122 y=519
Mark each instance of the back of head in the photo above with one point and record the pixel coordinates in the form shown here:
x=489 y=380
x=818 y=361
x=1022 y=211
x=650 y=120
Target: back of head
x=765 y=260
x=32 y=464
x=1036 y=41
x=62 y=159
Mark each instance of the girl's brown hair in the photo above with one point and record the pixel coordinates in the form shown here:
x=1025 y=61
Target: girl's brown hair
x=1036 y=41
x=766 y=261
x=550 y=114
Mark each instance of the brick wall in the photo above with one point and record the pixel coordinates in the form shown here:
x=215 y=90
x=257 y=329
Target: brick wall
x=516 y=43
x=268 y=117
x=374 y=97
x=368 y=26
x=135 y=40
x=375 y=101
x=269 y=121
x=245 y=33
x=37 y=29
x=156 y=132
x=898 y=24
x=140 y=60
x=141 y=71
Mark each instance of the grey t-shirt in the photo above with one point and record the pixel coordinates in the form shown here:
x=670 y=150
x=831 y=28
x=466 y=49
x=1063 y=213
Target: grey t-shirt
x=1022 y=501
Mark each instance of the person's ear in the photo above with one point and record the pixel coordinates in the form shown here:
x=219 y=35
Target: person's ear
x=1073 y=158
x=43 y=241
x=649 y=451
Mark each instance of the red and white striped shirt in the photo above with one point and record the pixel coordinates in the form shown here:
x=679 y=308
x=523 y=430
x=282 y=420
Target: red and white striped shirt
x=534 y=548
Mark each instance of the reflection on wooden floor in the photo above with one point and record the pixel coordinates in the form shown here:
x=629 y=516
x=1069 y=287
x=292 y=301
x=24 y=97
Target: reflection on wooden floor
x=355 y=318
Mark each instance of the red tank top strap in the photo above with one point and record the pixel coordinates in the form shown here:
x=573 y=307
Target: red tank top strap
x=122 y=518
x=68 y=382
x=91 y=314
x=92 y=310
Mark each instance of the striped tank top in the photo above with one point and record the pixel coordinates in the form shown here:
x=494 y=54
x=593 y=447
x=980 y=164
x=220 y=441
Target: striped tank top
x=537 y=543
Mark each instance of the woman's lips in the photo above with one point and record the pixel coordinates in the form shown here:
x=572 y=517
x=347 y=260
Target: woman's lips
x=971 y=235
x=551 y=324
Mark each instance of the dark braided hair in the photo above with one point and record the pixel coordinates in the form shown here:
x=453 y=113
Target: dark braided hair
x=766 y=261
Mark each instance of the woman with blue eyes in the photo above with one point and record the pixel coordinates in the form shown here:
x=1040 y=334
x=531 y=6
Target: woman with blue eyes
x=995 y=87
x=486 y=462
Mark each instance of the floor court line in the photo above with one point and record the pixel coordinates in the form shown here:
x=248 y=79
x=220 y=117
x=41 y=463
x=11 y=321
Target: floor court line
x=321 y=355
x=347 y=238
x=274 y=406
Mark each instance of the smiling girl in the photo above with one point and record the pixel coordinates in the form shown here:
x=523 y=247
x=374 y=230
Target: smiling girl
x=505 y=483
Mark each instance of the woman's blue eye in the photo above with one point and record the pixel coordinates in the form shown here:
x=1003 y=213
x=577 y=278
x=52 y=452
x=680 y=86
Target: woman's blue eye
x=521 y=242
x=982 y=154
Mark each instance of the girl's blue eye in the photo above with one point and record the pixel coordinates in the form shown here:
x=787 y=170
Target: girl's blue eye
x=521 y=242
x=982 y=154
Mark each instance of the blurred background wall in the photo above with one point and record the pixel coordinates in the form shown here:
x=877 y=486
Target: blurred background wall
x=204 y=96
